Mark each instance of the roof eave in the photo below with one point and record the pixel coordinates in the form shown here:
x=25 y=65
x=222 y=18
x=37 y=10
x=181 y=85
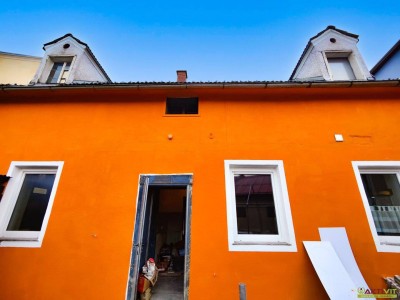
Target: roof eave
x=221 y=85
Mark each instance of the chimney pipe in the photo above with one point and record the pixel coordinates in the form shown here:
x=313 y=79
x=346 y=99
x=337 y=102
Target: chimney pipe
x=182 y=76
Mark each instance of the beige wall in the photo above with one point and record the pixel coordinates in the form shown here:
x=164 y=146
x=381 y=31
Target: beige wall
x=17 y=69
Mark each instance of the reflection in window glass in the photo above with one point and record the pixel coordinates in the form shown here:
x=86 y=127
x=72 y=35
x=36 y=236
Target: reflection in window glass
x=383 y=192
x=32 y=203
x=255 y=209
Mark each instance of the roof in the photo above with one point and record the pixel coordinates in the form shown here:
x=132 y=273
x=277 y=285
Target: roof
x=352 y=35
x=215 y=85
x=19 y=55
x=385 y=58
x=84 y=44
x=336 y=29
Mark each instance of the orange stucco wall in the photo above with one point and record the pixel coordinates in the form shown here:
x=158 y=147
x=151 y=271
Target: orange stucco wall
x=107 y=137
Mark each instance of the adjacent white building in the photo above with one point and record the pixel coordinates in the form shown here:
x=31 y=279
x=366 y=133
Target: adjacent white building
x=389 y=65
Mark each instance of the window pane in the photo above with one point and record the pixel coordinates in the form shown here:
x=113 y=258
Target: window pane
x=65 y=72
x=383 y=192
x=67 y=65
x=32 y=202
x=187 y=106
x=341 y=68
x=55 y=72
x=255 y=209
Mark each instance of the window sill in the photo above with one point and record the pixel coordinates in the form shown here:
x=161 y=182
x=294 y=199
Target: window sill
x=262 y=247
x=20 y=244
x=388 y=247
x=181 y=115
x=262 y=243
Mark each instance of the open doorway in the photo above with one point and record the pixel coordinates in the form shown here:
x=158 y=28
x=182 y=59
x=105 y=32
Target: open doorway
x=162 y=232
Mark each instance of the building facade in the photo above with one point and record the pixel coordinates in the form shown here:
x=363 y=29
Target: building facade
x=231 y=178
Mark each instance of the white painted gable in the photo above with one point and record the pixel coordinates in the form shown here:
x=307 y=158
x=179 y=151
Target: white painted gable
x=329 y=56
x=83 y=66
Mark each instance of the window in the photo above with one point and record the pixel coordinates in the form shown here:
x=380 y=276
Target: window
x=186 y=106
x=27 y=201
x=380 y=191
x=60 y=70
x=258 y=209
x=339 y=66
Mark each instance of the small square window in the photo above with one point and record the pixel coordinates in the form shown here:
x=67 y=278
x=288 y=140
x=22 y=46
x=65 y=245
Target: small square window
x=380 y=191
x=258 y=209
x=27 y=202
x=182 y=106
x=60 y=71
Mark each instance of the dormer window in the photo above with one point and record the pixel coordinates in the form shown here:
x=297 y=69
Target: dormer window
x=331 y=55
x=60 y=70
x=68 y=60
x=339 y=66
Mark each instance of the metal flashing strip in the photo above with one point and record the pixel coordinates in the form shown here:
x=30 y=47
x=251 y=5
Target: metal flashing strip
x=181 y=179
x=213 y=85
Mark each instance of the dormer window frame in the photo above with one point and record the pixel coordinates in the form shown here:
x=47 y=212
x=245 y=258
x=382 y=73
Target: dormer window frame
x=350 y=57
x=66 y=63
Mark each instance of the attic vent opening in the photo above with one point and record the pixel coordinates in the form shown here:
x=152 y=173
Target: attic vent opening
x=66 y=46
x=182 y=106
x=333 y=40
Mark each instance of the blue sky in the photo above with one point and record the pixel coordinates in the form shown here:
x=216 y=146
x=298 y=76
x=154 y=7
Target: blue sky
x=212 y=40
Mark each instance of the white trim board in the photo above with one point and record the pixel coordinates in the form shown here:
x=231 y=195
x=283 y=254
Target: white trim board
x=334 y=262
x=340 y=242
x=330 y=270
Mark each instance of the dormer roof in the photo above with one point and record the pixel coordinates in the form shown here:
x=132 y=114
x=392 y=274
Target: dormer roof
x=330 y=45
x=61 y=38
x=69 y=60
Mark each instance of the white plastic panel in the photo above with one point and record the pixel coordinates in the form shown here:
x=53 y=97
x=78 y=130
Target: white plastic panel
x=340 y=242
x=330 y=270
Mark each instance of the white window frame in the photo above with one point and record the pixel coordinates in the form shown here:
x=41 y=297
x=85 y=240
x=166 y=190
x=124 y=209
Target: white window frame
x=339 y=54
x=382 y=243
x=61 y=59
x=285 y=240
x=17 y=172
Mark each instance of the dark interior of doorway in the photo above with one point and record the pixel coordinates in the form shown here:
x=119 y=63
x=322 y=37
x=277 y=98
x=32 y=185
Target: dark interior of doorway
x=166 y=239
